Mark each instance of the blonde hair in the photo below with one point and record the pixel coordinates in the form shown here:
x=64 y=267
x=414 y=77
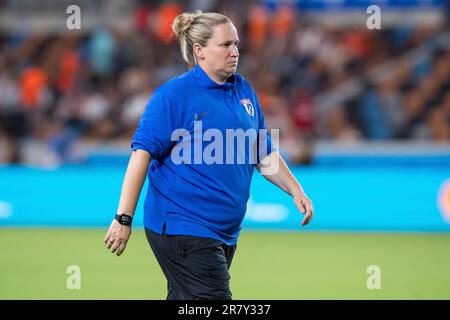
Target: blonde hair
x=195 y=27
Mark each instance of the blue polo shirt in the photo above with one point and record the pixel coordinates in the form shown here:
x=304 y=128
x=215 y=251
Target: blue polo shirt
x=197 y=197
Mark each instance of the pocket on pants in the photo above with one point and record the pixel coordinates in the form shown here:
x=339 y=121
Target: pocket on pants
x=188 y=245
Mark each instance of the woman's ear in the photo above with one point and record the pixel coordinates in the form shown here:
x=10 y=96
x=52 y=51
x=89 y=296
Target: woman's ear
x=198 y=51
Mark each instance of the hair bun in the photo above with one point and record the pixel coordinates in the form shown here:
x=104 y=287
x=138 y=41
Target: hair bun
x=182 y=22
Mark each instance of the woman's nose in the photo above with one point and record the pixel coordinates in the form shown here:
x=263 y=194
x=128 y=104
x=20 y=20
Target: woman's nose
x=235 y=52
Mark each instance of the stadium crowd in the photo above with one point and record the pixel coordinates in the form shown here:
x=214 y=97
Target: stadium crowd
x=60 y=90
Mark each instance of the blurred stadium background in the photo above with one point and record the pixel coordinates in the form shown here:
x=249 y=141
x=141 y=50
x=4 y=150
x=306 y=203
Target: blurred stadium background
x=364 y=119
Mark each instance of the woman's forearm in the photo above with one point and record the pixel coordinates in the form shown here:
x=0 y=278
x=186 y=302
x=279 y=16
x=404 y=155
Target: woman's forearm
x=133 y=181
x=275 y=169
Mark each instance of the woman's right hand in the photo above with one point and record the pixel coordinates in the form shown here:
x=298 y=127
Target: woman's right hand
x=117 y=237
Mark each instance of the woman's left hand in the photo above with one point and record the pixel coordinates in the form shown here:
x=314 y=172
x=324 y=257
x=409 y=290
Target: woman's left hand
x=117 y=237
x=305 y=206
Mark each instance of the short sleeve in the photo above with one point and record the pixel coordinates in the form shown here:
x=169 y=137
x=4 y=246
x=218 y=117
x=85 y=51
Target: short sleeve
x=154 y=130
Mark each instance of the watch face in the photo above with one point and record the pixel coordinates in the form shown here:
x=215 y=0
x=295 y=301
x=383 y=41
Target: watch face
x=124 y=219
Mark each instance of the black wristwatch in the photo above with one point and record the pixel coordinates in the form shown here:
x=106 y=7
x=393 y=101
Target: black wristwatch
x=124 y=219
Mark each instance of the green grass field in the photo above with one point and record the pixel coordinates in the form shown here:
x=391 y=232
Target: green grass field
x=267 y=265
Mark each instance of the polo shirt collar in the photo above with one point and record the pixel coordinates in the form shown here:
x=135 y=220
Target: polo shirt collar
x=207 y=82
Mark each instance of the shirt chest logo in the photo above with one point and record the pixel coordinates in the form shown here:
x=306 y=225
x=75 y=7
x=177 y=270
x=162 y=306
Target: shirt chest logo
x=198 y=116
x=248 y=106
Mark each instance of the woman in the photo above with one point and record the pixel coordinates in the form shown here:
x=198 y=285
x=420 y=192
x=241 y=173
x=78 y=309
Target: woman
x=197 y=200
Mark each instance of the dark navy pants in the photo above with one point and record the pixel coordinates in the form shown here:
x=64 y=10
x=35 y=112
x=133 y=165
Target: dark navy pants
x=196 y=268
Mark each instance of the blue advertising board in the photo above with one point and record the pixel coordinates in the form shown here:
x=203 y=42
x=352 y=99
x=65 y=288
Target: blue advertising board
x=346 y=198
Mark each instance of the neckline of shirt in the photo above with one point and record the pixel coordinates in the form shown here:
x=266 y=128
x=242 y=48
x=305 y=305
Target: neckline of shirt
x=207 y=82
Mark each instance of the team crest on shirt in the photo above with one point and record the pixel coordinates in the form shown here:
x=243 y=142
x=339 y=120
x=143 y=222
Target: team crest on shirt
x=248 y=106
